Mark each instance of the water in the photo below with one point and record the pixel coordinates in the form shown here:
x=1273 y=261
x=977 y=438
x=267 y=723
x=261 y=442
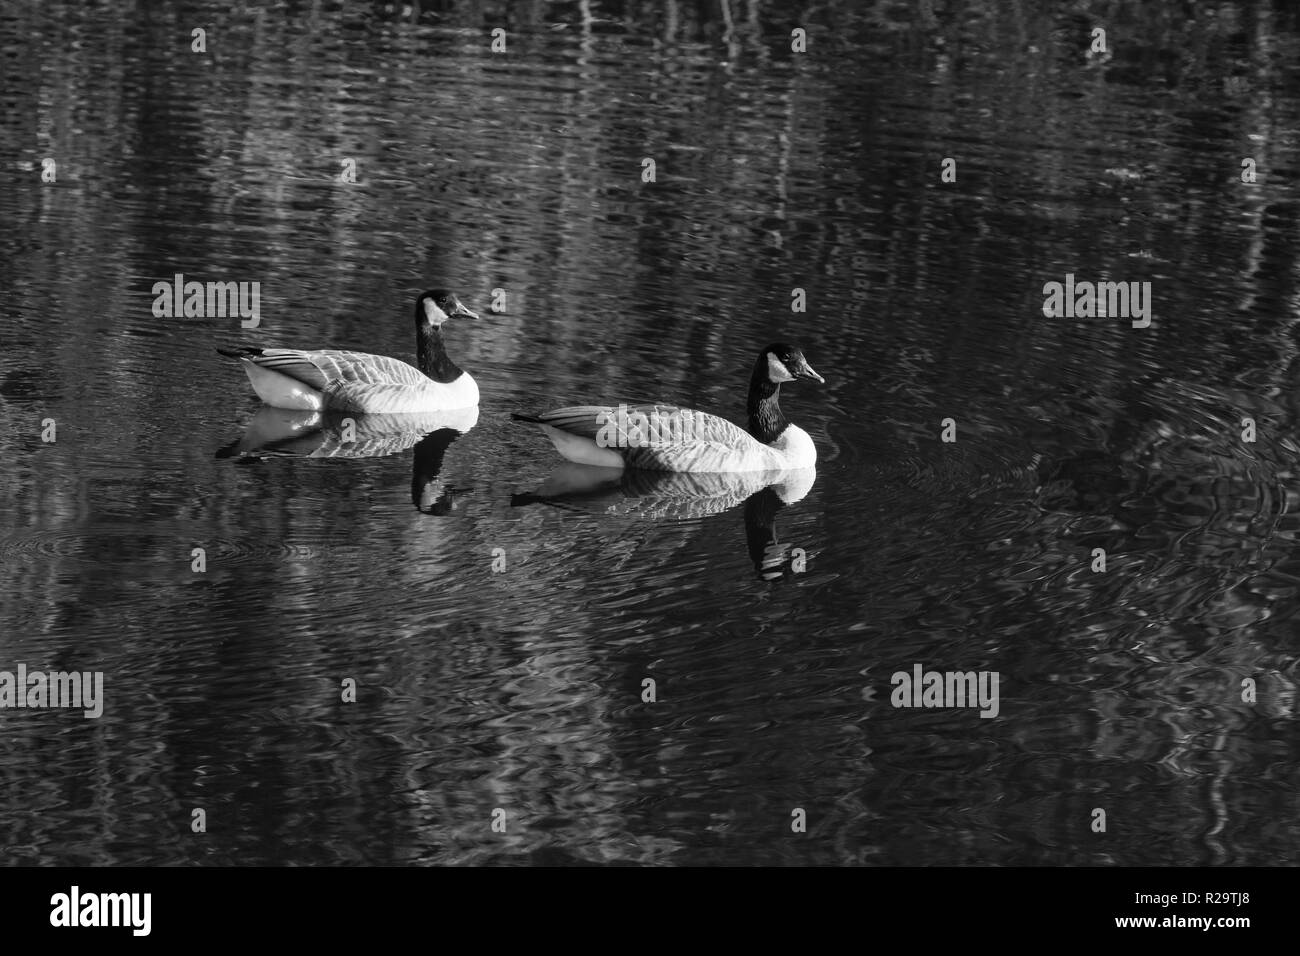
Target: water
x=771 y=631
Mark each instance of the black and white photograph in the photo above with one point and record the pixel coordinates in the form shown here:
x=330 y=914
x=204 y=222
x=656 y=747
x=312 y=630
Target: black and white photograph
x=699 y=434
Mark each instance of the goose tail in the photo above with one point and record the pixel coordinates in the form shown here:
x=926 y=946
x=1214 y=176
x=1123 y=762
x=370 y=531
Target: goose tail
x=531 y=419
x=244 y=352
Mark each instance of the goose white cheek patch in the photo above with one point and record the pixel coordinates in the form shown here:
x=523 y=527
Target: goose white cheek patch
x=433 y=313
x=776 y=369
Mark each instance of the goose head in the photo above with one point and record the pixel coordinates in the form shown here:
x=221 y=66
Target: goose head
x=432 y=309
x=784 y=363
x=777 y=363
x=437 y=306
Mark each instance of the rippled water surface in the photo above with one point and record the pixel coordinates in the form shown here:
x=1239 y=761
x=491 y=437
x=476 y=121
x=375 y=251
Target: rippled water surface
x=501 y=634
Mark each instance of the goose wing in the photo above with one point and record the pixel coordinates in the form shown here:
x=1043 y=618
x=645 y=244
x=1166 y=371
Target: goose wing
x=322 y=368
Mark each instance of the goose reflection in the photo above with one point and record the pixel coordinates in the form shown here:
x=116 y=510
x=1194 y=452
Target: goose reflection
x=671 y=496
x=277 y=432
x=773 y=558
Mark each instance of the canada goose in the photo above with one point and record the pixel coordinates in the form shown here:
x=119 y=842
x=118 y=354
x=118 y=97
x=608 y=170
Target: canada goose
x=343 y=381
x=669 y=438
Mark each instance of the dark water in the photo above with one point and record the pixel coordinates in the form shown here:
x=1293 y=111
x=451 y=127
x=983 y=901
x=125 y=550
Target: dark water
x=520 y=689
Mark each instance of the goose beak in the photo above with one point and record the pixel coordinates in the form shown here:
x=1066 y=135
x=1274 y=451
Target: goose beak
x=807 y=372
x=460 y=310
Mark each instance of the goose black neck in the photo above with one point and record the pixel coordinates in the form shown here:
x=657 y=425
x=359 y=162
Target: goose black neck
x=433 y=358
x=766 y=420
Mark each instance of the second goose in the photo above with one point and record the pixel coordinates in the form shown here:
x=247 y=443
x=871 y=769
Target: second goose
x=670 y=438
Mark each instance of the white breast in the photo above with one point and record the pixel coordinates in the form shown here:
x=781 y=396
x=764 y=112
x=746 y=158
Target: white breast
x=795 y=447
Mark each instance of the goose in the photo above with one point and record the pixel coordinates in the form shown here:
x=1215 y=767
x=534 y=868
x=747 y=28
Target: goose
x=669 y=438
x=358 y=382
